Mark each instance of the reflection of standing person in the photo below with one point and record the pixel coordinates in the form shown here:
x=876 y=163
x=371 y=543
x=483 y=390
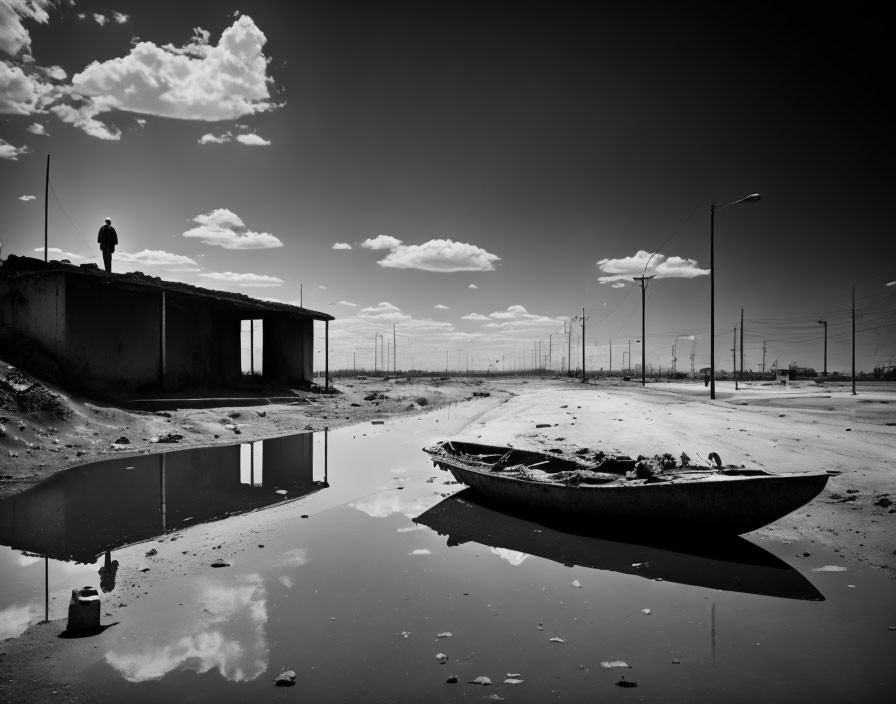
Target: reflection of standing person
x=107 y=238
x=107 y=573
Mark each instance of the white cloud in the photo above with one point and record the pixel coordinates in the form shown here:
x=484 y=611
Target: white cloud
x=58 y=254
x=342 y=245
x=100 y=19
x=210 y=138
x=57 y=73
x=347 y=303
x=231 y=278
x=27 y=197
x=223 y=228
x=516 y=317
x=381 y=242
x=891 y=283
x=439 y=306
x=618 y=284
x=252 y=140
x=20 y=93
x=120 y=17
x=13 y=35
x=8 y=151
x=626 y=268
x=384 y=312
x=474 y=316
x=140 y=121
x=472 y=286
x=37 y=128
x=157 y=259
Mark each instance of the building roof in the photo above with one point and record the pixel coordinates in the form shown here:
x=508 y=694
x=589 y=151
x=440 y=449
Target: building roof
x=16 y=266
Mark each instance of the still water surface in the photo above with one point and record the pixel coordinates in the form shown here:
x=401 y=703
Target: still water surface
x=371 y=556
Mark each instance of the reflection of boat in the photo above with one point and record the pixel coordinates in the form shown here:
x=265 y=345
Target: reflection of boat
x=725 y=500
x=729 y=563
x=88 y=510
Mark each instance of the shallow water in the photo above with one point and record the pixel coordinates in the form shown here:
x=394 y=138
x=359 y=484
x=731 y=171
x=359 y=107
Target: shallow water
x=355 y=596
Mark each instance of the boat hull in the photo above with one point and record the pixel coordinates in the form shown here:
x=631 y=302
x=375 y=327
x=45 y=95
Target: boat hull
x=731 y=505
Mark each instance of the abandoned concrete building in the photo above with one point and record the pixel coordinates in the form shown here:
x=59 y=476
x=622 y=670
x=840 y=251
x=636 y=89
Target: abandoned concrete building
x=123 y=335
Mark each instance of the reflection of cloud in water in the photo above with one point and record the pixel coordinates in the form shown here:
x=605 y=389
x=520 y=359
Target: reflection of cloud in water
x=421 y=551
x=285 y=581
x=514 y=557
x=293 y=558
x=229 y=637
x=385 y=504
x=16 y=619
x=411 y=529
x=24 y=560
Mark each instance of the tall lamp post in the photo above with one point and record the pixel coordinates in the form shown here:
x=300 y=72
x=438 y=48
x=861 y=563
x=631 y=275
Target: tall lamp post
x=825 y=323
x=712 y=286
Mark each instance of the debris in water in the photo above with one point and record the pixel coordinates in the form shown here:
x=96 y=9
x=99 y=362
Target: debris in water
x=577 y=584
x=495 y=697
x=152 y=552
x=610 y=664
x=646 y=612
x=626 y=683
x=451 y=680
x=829 y=568
x=542 y=425
x=287 y=678
x=220 y=563
x=442 y=658
x=513 y=680
x=555 y=639
x=444 y=634
x=281 y=491
x=482 y=679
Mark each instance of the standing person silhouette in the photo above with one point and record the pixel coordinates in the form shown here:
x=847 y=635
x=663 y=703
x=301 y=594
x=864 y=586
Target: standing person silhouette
x=107 y=238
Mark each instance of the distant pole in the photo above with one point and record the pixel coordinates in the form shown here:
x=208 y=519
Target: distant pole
x=394 y=351
x=825 y=323
x=327 y=355
x=644 y=281
x=583 y=344
x=853 y=340
x=611 y=356
x=734 y=358
x=46 y=197
x=374 y=354
x=301 y=297
x=741 y=343
x=629 y=354
x=252 y=347
x=763 y=356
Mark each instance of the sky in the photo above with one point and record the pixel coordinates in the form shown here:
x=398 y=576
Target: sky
x=474 y=174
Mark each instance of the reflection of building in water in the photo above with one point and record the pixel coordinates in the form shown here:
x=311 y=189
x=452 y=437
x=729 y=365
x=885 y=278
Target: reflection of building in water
x=81 y=513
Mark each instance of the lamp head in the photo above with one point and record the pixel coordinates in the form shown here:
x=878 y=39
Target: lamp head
x=753 y=196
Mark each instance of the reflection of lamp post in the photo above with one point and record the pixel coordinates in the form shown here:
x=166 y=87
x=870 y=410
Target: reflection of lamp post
x=825 y=323
x=712 y=286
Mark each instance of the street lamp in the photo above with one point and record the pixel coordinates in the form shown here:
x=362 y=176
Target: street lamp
x=825 y=323
x=712 y=286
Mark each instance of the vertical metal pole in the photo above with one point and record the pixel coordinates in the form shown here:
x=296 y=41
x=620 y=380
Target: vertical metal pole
x=853 y=340
x=163 y=342
x=251 y=347
x=46 y=196
x=712 y=302
x=163 y=490
x=734 y=358
x=394 y=352
x=741 y=343
x=583 y=345
x=611 y=356
x=46 y=585
x=327 y=355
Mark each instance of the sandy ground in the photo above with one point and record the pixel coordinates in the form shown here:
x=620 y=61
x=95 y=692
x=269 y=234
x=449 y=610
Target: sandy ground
x=794 y=428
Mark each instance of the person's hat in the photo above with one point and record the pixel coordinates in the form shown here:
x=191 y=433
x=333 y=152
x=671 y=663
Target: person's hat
x=108 y=220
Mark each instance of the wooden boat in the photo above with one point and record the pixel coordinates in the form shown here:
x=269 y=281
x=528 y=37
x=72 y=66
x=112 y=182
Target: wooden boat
x=621 y=495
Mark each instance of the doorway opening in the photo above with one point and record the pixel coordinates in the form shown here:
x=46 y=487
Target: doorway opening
x=251 y=347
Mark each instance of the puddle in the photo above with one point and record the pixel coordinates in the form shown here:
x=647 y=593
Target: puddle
x=372 y=556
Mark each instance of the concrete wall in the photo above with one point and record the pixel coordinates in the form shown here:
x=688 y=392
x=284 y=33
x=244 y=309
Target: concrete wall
x=33 y=308
x=113 y=334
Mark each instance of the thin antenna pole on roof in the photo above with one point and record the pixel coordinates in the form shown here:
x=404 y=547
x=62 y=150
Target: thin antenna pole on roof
x=46 y=201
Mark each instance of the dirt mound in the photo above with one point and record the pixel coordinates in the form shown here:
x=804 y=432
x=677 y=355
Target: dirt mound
x=20 y=393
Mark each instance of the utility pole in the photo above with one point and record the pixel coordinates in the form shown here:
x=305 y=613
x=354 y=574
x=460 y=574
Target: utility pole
x=741 y=343
x=374 y=354
x=46 y=196
x=853 y=340
x=394 y=351
x=825 y=323
x=644 y=280
x=583 y=344
x=734 y=358
x=611 y=357
x=569 y=349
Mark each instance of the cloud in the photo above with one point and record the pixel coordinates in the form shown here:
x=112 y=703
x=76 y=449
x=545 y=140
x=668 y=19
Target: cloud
x=196 y=81
x=891 y=283
x=663 y=268
x=439 y=306
x=472 y=286
x=381 y=242
x=100 y=19
x=347 y=303
x=252 y=139
x=474 y=316
x=13 y=35
x=619 y=284
x=157 y=259
x=223 y=228
x=8 y=151
x=58 y=254
x=436 y=255
x=209 y=138
x=37 y=128
x=231 y=278
x=342 y=245
x=27 y=197
x=384 y=312
x=515 y=317
x=120 y=17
